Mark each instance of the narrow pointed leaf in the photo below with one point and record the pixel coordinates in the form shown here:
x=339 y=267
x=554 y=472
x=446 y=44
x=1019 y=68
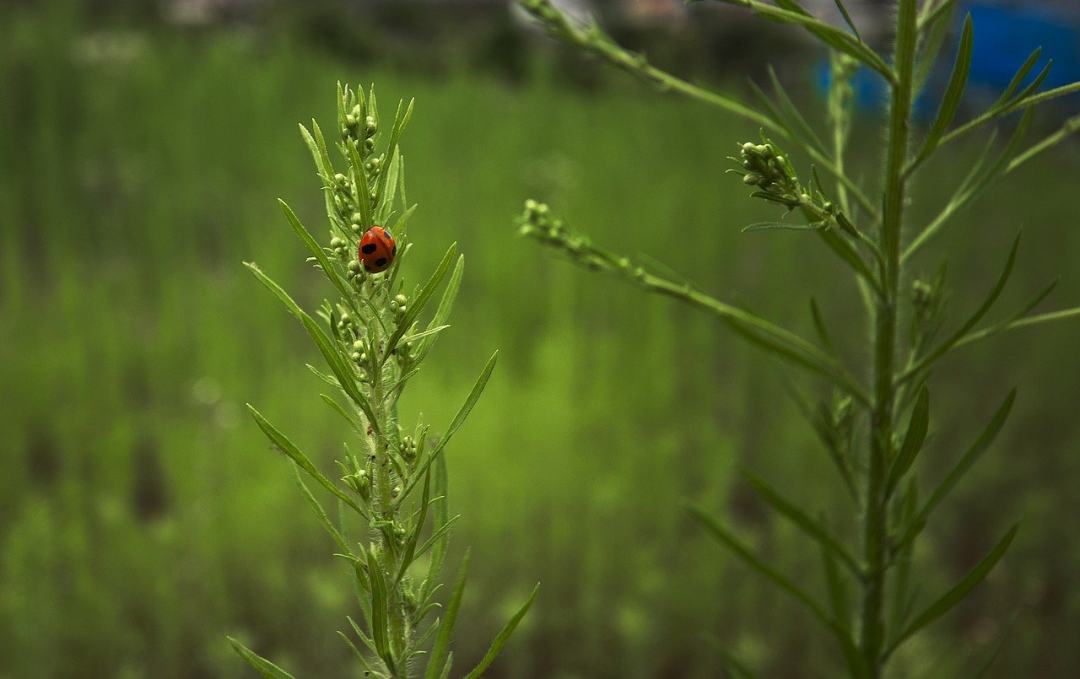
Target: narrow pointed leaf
x=410 y=546
x=416 y=304
x=847 y=18
x=913 y=441
x=446 y=628
x=950 y=101
x=446 y=303
x=440 y=516
x=792 y=112
x=954 y=596
x=324 y=519
x=973 y=320
x=326 y=345
x=768 y=572
x=938 y=27
x=282 y=443
x=328 y=267
x=380 y=620
x=502 y=637
x=821 y=328
x=459 y=419
x=970 y=456
x=808 y=525
x=783 y=226
x=263 y=666
x=1021 y=74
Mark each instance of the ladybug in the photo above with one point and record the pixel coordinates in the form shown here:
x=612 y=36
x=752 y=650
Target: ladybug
x=377 y=249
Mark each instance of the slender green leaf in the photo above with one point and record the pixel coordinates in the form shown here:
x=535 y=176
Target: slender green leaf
x=282 y=443
x=357 y=653
x=259 y=663
x=410 y=544
x=455 y=424
x=950 y=101
x=832 y=36
x=847 y=18
x=436 y=536
x=380 y=619
x=913 y=441
x=445 y=674
x=1060 y=315
x=442 y=640
x=820 y=327
x=386 y=202
x=801 y=519
x=972 y=321
x=1021 y=73
x=331 y=354
x=446 y=303
x=440 y=517
x=802 y=127
x=958 y=592
x=502 y=637
x=400 y=121
x=768 y=572
x=324 y=519
x=1068 y=128
x=416 y=304
x=328 y=266
x=783 y=226
x=937 y=24
x=970 y=456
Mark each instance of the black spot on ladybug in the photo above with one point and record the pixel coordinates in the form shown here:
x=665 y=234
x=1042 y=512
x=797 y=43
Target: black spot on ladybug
x=381 y=261
x=368 y=249
x=367 y=267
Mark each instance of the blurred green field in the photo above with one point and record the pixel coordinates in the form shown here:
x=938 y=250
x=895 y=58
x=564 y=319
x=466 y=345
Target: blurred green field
x=143 y=517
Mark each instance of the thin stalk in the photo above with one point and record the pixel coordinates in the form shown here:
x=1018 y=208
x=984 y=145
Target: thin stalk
x=385 y=514
x=872 y=630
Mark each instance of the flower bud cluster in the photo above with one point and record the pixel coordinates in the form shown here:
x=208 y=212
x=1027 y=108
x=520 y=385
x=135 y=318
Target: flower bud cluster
x=537 y=222
x=360 y=483
x=407 y=447
x=769 y=170
x=927 y=302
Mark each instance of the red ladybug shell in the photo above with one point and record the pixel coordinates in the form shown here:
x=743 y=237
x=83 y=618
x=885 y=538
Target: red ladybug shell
x=377 y=249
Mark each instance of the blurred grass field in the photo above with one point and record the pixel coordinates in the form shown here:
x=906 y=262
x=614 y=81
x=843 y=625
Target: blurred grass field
x=143 y=517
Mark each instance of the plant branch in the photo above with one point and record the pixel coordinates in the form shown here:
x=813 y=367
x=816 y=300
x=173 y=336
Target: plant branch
x=593 y=41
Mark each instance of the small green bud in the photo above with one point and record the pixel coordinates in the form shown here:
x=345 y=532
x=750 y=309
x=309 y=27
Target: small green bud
x=369 y=126
x=356 y=356
x=401 y=299
x=752 y=178
x=355 y=228
x=341 y=179
x=354 y=265
x=369 y=145
x=336 y=242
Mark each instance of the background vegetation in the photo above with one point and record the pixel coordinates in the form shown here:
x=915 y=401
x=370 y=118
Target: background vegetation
x=142 y=516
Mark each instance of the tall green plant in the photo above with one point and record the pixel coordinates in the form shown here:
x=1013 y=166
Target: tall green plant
x=867 y=233
x=393 y=477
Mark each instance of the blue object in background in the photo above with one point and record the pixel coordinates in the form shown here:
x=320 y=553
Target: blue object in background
x=1004 y=37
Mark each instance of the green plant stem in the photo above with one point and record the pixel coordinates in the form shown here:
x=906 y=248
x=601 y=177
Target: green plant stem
x=385 y=515
x=874 y=527
x=636 y=64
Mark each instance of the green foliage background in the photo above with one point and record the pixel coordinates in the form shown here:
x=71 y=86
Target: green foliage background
x=142 y=517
